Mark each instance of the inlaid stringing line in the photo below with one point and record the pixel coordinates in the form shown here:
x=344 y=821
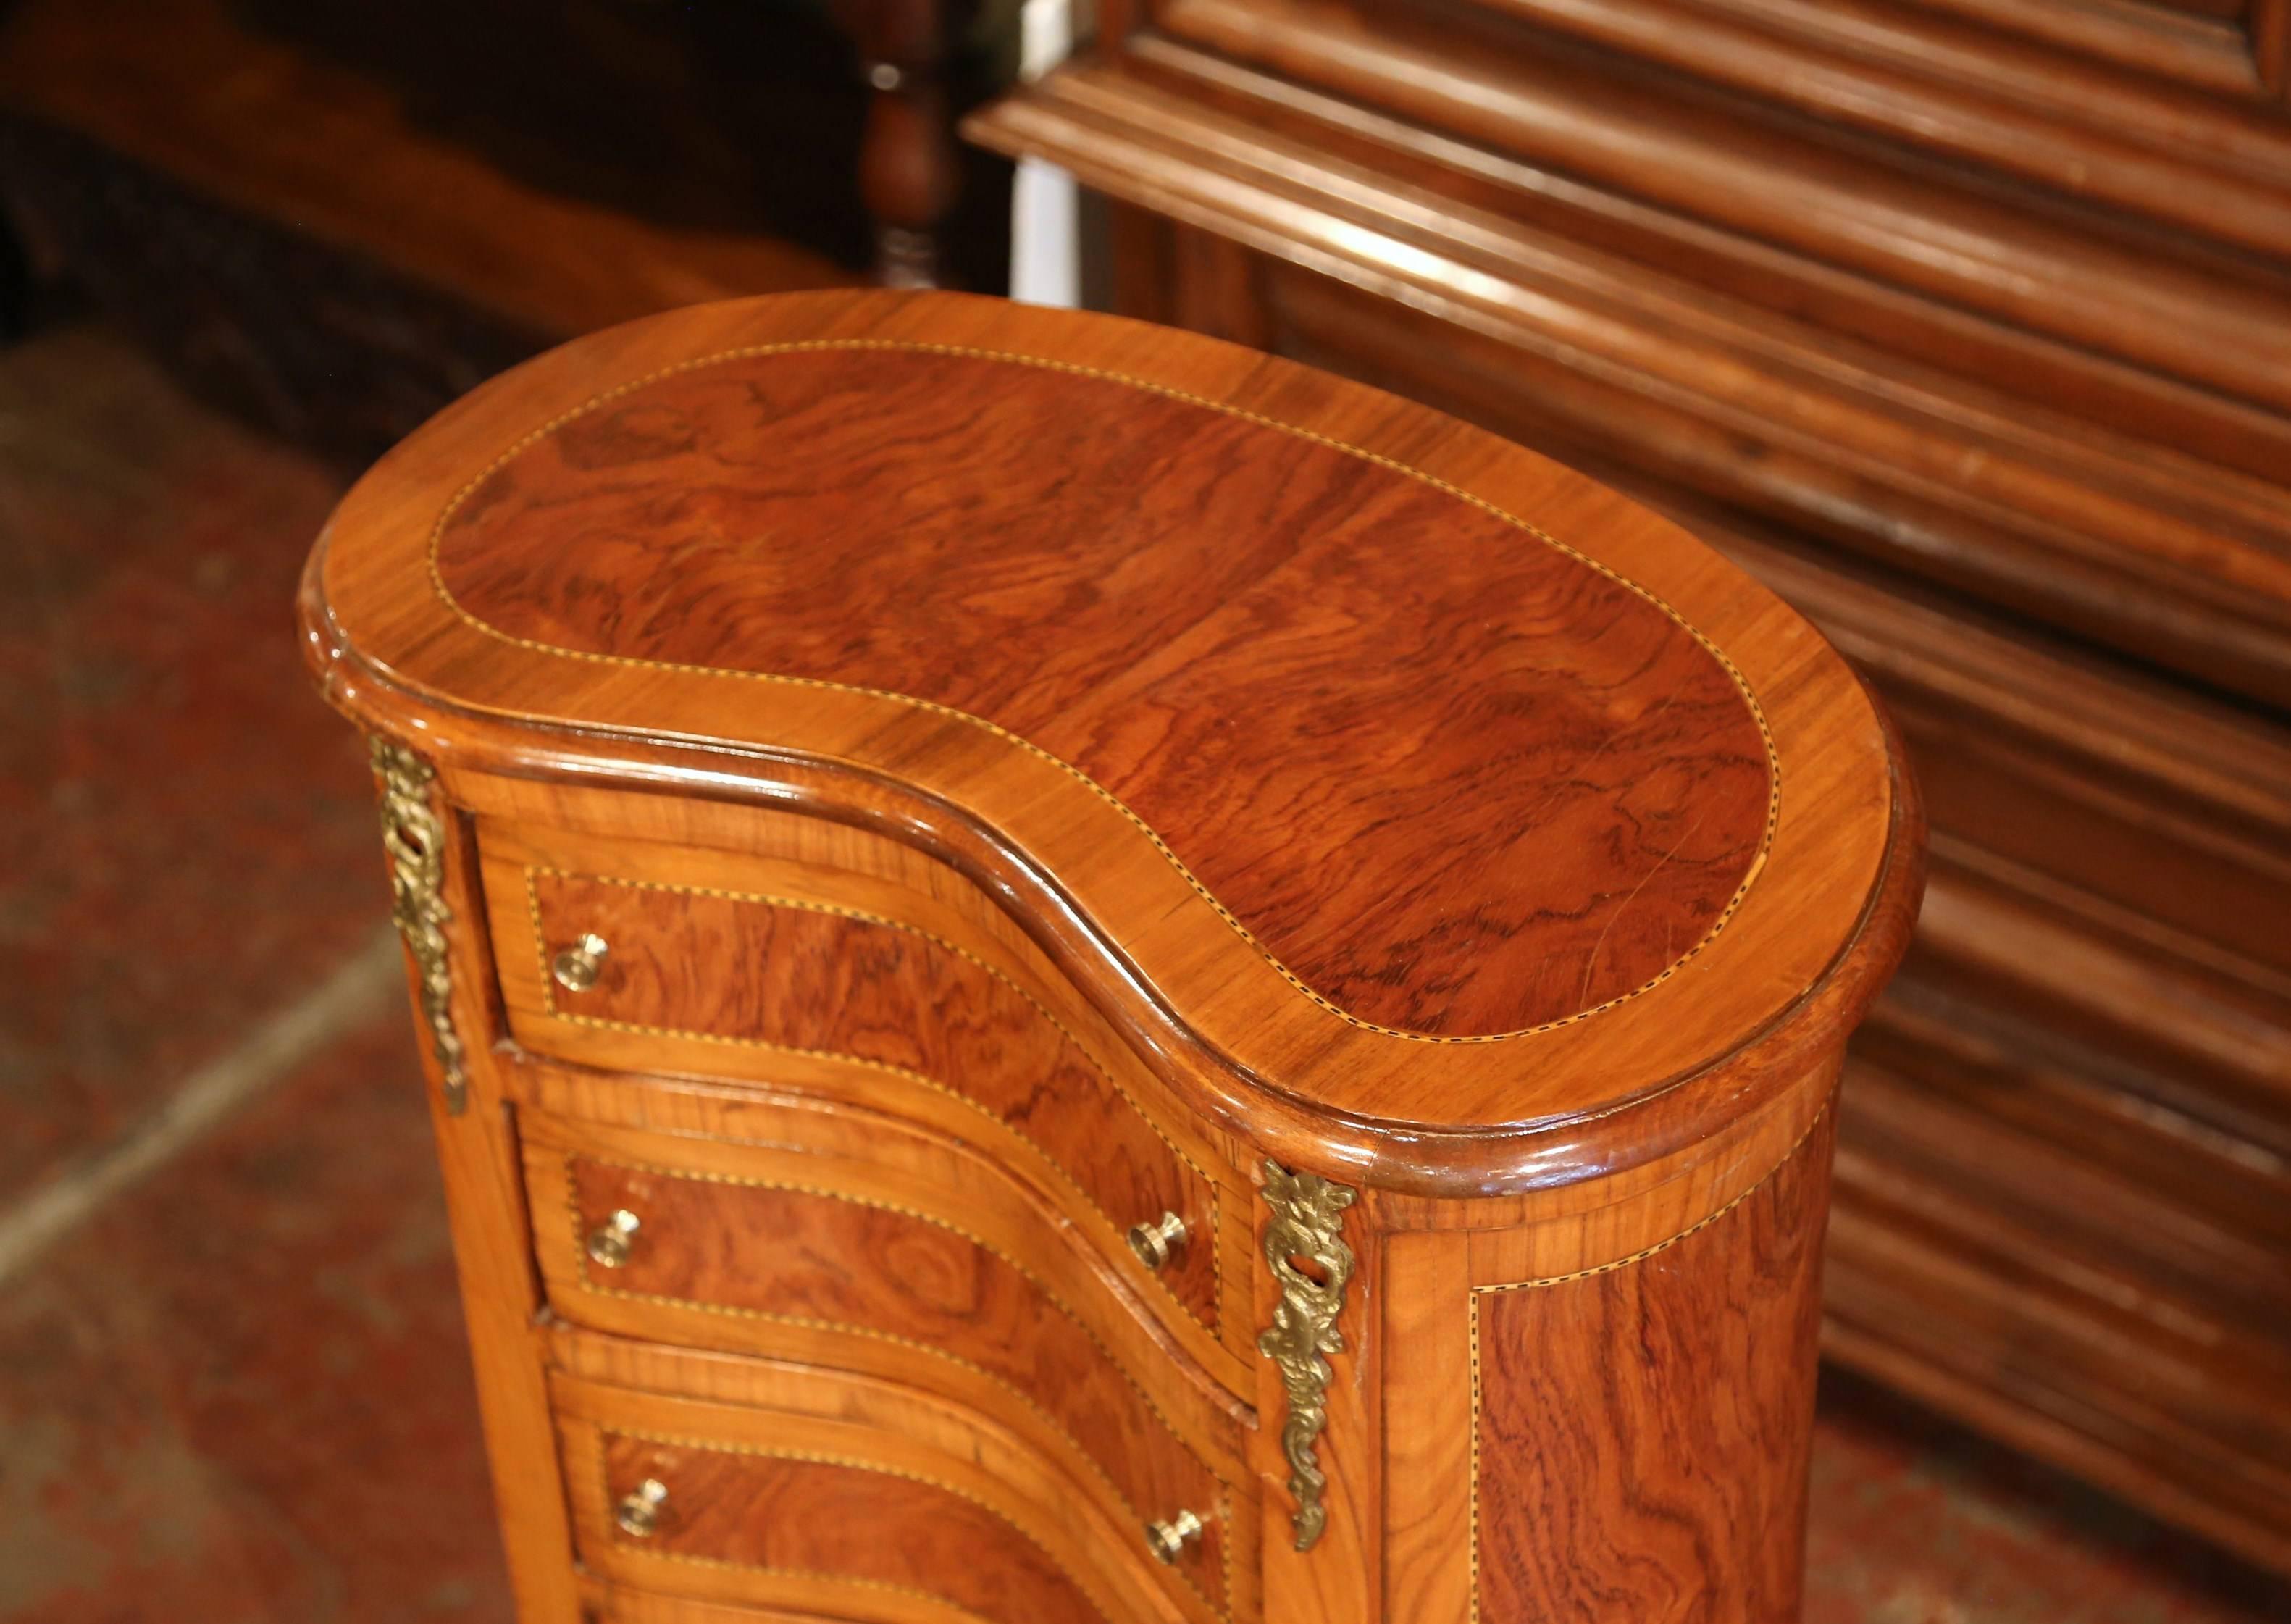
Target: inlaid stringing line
x=445 y=595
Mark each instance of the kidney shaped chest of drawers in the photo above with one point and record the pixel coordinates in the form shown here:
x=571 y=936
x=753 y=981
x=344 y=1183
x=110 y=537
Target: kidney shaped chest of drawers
x=1071 y=973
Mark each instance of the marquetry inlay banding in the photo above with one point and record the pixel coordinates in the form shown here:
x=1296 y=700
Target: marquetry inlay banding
x=1071 y=1050
x=1643 y=723
x=1053 y=1410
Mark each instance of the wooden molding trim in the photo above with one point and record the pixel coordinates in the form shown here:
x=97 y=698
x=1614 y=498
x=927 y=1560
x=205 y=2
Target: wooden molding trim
x=1314 y=1088
x=1569 y=345
x=2014 y=259
x=1757 y=860
x=2080 y=130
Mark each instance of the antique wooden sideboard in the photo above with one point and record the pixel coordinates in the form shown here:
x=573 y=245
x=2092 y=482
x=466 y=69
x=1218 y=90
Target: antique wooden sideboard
x=1967 y=324
x=1069 y=973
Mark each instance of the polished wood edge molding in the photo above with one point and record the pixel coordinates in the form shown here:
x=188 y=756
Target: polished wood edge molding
x=1538 y=223
x=1668 y=1241
x=2023 y=257
x=2077 y=1262
x=2107 y=555
x=1431 y=1164
x=414 y=837
x=588 y=1282
x=547 y=982
x=1032 y=1494
x=841 y=860
x=558 y=1097
x=2116 y=140
x=445 y=595
x=1478 y=1290
x=625 y=1603
x=2239 y=57
x=1600 y=1215
x=1473 y=1149
x=614 y=1360
x=2181 y=748
x=2028 y=1418
x=602 y=1430
x=2221 y=1027
x=1305 y=1252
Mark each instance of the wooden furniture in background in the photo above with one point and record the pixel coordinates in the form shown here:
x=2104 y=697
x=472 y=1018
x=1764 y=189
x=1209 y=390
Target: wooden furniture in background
x=341 y=218
x=908 y=161
x=1072 y=974
x=1967 y=323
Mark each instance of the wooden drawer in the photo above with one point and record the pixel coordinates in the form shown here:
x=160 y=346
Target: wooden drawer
x=624 y=1606
x=767 y=963
x=854 y=1242
x=852 y=1500
x=807 y=1205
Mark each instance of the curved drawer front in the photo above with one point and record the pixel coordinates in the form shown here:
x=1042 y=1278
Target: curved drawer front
x=799 y=1256
x=773 y=972
x=776 y=1511
x=828 y=1517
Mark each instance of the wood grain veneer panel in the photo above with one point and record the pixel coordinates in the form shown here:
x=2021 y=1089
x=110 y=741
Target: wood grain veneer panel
x=804 y=977
x=998 y=1440
x=616 y=1605
x=1603 y=1492
x=1243 y=1047
x=815 y=1258
x=842 y=1520
x=1065 y=605
x=1104 y=1561
x=1196 y=594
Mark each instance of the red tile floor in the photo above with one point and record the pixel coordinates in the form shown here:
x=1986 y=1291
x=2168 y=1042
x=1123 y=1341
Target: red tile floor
x=232 y=1384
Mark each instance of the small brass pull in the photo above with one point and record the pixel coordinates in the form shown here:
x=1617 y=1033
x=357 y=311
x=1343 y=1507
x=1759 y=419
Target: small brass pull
x=577 y=967
x=611 y=1241
x=1156 y=1244
x=638 y=1511
x=1167 y=1540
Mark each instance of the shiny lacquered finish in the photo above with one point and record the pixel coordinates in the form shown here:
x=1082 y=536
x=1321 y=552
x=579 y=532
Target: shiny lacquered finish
x=1092 y=970
x=1594 y=725
x=1695 y=247
x=862 y=1244
x=742 y=974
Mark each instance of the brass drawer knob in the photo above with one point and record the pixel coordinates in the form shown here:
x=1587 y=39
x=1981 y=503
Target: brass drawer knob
x=611 y=1241
x=1156 y=1244
x=1167 y=1540
x=638 y=1511
x=576 y=968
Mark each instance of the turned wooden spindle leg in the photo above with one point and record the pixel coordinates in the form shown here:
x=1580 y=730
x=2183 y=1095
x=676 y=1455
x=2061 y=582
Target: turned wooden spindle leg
x=908 y=174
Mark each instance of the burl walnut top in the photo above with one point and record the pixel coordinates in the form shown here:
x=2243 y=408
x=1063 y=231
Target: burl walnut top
x=1344 y=741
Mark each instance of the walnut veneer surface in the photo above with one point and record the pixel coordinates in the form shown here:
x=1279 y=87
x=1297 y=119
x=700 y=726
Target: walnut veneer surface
x=1075 y=974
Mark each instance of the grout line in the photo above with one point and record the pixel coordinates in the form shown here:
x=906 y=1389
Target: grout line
x=361 y=988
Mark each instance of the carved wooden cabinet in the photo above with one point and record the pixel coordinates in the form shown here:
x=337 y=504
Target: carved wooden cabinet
x=1071 y=973
x=1966 y=324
